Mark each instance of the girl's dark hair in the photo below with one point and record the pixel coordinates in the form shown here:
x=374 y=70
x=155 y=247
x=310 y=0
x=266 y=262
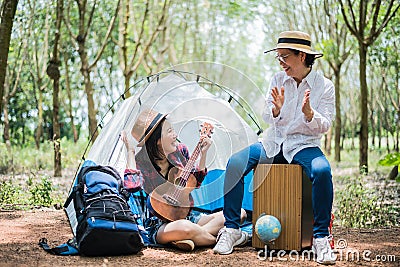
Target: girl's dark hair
x=150 y=149
x=310 y=59
x=151 y=143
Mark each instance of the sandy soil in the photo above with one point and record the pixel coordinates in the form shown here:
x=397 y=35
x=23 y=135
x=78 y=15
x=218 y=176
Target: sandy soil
x=20 y=232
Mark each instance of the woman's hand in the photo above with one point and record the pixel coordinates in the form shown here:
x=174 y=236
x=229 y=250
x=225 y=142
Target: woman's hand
x=205 y=145
x=130 y=143
x=278 y=98
x=306 y=107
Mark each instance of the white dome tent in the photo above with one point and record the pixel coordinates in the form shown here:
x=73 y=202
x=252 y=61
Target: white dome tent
x=189 y=100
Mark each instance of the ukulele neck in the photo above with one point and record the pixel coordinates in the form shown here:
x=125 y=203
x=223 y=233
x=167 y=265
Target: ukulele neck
x=189 y=165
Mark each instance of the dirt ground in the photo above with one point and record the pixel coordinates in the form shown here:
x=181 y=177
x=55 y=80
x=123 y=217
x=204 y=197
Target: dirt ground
x=20 y=232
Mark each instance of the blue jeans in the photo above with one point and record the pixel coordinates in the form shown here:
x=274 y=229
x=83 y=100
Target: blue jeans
x=313 y=163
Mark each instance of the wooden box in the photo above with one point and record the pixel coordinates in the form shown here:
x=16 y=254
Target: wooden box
x=284 y=191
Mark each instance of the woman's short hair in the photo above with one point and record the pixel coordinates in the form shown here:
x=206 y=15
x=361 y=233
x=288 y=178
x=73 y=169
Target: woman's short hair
x=310 y=59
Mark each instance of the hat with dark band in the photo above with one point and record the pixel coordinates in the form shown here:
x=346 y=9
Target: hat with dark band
x=296 y=40
x=145 y=124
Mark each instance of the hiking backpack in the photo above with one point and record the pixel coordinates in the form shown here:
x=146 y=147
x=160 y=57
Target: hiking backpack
x=101 y=220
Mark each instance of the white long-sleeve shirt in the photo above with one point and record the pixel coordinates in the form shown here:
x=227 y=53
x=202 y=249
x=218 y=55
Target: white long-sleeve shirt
x=290 y=127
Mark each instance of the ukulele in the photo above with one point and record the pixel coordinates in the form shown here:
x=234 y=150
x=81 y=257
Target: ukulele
x=170 y=201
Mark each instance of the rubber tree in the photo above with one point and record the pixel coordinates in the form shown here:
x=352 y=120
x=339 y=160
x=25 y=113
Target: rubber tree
x=8 y=9
x=366 y=25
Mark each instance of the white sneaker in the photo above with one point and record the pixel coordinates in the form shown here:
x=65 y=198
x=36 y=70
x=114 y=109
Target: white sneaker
x=228 y=238
x=322 y=251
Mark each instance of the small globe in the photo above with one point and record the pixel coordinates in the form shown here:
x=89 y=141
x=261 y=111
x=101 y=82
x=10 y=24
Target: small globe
x=268 y=228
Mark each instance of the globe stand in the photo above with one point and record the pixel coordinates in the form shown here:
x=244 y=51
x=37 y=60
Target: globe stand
x=267 y=246
x=266 y=253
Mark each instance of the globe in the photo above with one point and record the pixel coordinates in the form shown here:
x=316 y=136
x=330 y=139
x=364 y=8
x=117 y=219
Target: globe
x=267 y=228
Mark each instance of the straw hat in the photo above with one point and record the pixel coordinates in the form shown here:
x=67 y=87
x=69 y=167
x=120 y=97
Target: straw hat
x=297 y=40
x=145 y=124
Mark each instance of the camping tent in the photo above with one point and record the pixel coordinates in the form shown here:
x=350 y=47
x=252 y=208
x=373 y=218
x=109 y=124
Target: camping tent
x=189 y=100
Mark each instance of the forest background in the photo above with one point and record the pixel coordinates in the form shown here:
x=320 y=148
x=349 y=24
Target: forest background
x=63 y=63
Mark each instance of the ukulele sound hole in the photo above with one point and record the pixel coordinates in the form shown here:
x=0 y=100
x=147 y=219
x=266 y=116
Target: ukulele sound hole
x=170 y=200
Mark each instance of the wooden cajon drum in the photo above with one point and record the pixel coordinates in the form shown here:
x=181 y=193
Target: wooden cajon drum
x=284 y=191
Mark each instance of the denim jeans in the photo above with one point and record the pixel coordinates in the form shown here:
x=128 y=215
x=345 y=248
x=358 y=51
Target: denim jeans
x=313 y=163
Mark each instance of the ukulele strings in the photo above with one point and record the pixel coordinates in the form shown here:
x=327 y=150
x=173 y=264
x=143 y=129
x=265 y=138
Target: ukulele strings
x=186 y=172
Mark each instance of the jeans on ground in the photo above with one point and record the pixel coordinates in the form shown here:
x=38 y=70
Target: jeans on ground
x=313 y=163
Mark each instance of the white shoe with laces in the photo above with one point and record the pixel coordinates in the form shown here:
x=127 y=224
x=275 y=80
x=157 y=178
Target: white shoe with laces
x=323 y=252
x=228 y=238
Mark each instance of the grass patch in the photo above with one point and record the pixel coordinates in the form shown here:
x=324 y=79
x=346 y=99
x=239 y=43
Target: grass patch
x=29 y=159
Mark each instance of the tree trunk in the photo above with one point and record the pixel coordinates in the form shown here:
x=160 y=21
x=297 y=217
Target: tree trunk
x=379 y=130
x=6 y=138
x=397 y=132
x=363 y=163
x=328 y=142
x=371 y=119
x=88 y=88
x=68 y=89
x=56 y=128
x=39 y=129
x=338 y=119
x=93 y=133
x=387 y=142
x=8 y=9
x=54 y=73
x=343 y=138
x=398 y=112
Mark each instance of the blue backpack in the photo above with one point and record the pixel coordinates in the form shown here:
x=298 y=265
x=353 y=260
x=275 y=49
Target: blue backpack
x=100 y=217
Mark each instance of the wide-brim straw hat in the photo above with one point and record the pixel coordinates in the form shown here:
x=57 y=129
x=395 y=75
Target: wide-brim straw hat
x=145 y=124
x=297 y=40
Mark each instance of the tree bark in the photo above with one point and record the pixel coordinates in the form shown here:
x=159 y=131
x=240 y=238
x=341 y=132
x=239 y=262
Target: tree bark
x=54 y=74
x=81 y=40
x=363 y=163
x=39 y=127
x=6 y=137
x=8 y=9
x=379 y=130
x=338 y=119
x=328 y=142
x=69 y=110
x=92 y=111
x=56 y=128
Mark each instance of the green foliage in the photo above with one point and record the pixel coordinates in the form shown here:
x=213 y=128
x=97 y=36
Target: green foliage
x=392 y=159
x=41 y=193
x=32 y=193
x=361 y=207
x=9 y=193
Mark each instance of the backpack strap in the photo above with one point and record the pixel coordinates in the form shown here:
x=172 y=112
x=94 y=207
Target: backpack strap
x=69 y=248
